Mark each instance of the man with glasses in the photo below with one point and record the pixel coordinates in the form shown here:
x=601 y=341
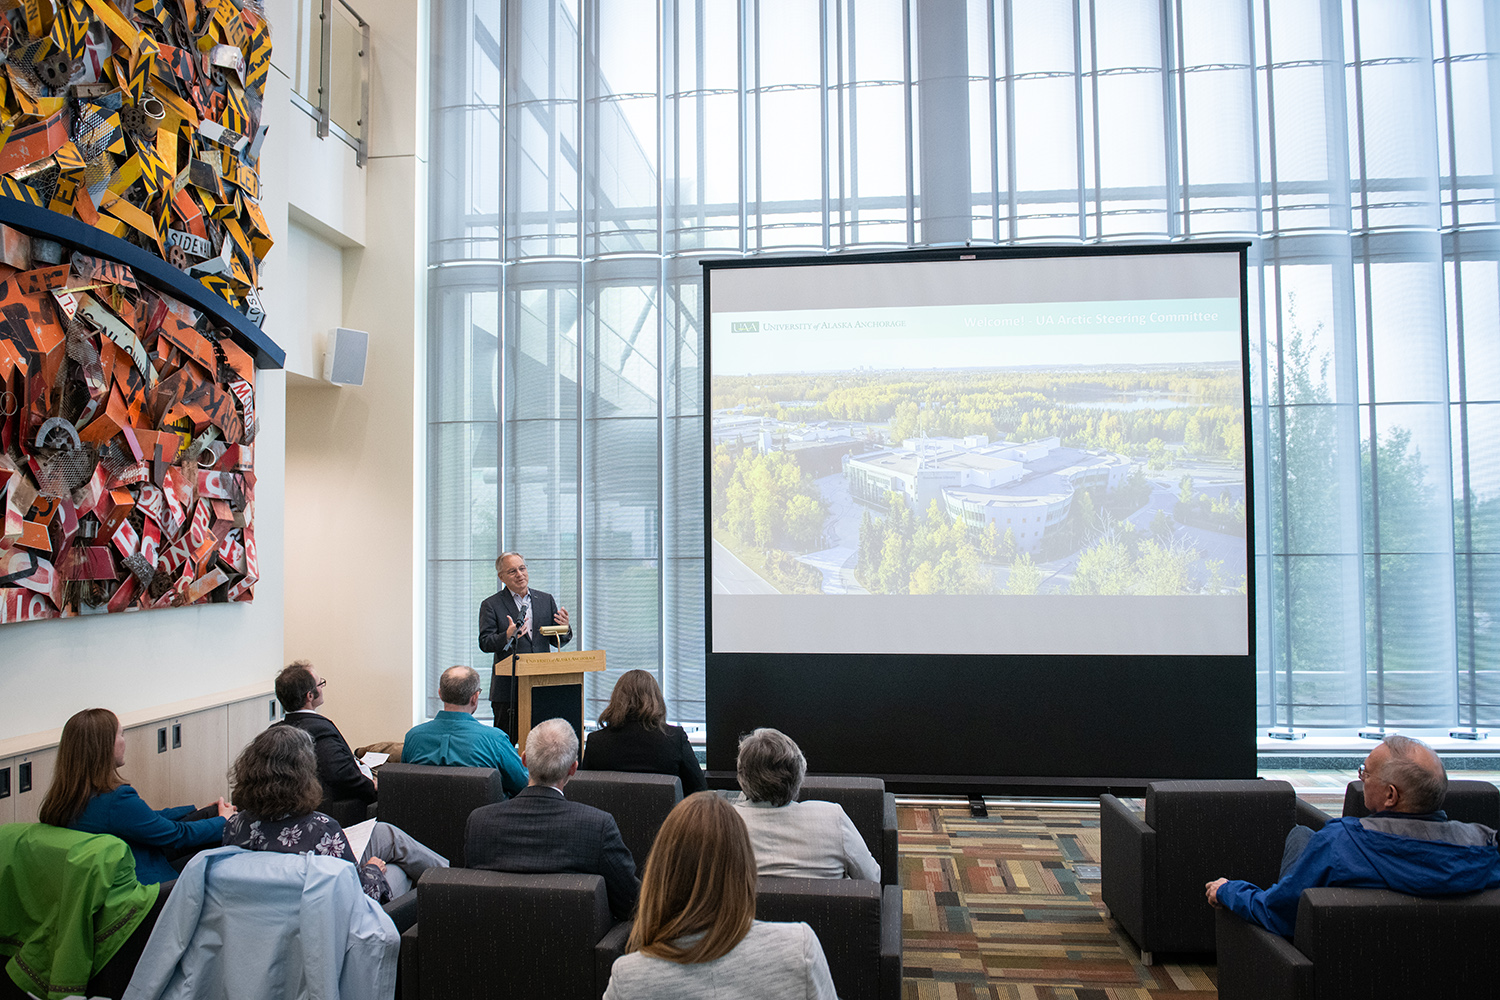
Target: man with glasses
x=300 y=691
x=1407 y=844
x=510 y=621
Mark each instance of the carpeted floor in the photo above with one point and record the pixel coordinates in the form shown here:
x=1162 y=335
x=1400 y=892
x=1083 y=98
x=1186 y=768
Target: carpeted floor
x=1008 y=906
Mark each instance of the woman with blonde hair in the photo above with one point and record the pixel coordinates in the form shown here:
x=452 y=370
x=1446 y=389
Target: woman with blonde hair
x=634 y=735
x=695 y=930
x=88 y=794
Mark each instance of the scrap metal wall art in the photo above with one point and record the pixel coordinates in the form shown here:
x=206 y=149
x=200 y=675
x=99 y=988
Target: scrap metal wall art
x=127 y=428
x=143 y=122
x=127 y=416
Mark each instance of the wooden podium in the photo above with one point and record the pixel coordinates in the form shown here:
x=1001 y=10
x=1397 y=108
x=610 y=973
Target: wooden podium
x=551 y=670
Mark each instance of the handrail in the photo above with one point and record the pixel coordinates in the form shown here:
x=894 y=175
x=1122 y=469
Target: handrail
x=325 y=83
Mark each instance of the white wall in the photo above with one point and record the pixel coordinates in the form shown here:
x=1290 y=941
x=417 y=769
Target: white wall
x=354 y=453
x=337 y=507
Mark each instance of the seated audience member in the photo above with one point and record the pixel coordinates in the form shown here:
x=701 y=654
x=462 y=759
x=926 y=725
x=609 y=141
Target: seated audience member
x=274 y=783
x=87 y=794
x=456 y=739
x=300 y=691
x=810 y=839
x=695 y=931
x=635 y=735
x=1407 y=844
x=540 y=832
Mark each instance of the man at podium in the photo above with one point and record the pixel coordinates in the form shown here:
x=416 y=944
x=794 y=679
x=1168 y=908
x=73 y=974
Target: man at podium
x=510 y=621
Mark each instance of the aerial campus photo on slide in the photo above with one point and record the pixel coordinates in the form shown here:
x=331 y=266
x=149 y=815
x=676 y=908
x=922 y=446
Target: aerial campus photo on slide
x=1063 y=448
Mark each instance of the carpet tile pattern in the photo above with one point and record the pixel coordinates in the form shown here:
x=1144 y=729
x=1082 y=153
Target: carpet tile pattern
x=993 y=908
x=1008 y=906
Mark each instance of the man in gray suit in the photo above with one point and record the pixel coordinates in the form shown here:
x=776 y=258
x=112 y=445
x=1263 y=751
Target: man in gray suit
x=510 y=621
x=540 y=832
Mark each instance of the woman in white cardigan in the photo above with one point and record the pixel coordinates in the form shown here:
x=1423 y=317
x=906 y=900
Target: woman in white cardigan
x=811 y=839
x=695 y=931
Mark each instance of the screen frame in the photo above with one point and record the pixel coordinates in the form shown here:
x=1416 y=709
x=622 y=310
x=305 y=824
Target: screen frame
x=996 y=723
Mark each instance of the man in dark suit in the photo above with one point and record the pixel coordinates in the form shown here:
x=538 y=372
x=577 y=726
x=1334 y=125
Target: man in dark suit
x=300 y=691
x=540 y=832
x=510 y=621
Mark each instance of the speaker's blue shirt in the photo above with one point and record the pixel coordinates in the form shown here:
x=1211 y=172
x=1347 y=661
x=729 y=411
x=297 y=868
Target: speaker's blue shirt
x=457 y=739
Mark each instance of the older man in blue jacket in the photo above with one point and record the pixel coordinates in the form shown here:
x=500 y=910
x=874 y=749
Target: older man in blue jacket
x=1407 y=844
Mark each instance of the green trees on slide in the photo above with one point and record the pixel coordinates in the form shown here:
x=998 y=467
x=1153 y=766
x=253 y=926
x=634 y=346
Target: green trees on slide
x=931 y=554
x=769 y=501
x=1015 y=405
x=1125 y=561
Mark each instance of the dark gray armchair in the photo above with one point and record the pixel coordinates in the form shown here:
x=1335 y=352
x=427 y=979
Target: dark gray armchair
x=858 y=923
x=1153 y=868
x=1365 y=944
x=484 y=934
x=346 y=812
x=433 y=803
x=870 y=807
x=1467 y=800
x=638 y=802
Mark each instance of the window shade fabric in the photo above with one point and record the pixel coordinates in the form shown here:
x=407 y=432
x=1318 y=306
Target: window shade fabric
x=586 y=155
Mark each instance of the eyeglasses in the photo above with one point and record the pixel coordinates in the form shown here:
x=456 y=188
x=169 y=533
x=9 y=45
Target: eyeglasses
x=324 y=683
x=1363 y=772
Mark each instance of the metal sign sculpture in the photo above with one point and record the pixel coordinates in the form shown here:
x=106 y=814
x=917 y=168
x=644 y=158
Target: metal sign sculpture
x=127 y=429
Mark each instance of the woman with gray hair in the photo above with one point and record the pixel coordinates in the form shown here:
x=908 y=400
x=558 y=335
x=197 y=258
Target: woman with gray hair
x=810 y=839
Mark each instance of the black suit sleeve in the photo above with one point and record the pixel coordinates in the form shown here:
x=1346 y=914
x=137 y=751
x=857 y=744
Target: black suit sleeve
x=617 y=865
x=342 y=778
x=687 y=766
x=491 y=628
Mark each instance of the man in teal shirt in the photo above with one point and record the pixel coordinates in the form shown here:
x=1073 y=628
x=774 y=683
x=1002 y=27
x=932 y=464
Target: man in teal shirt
x=456 y=739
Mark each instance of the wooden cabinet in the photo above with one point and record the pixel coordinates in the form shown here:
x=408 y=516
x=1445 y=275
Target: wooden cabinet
x=148 y=763
x=245 y=720
x=7 y=790
x=170 y=760
x=199 y=757
x=179 y=760
x=30 y=775
x=185 y=759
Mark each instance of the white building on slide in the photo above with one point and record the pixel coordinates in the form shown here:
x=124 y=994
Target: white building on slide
x=1026 y=488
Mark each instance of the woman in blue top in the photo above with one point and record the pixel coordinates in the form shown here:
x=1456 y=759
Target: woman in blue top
x=88 y=794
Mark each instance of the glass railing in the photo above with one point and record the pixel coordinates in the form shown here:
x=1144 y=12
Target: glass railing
x=333 y=71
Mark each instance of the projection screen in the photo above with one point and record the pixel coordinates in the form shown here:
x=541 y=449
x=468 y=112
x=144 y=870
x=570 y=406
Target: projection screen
x=1010 y=478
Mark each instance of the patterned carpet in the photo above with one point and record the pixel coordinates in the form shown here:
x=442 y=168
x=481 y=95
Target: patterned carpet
x=1008 y=906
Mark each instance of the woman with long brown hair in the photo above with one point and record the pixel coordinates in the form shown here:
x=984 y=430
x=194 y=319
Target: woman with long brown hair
x=695 y=930
x=88 y=794
x=634 y=735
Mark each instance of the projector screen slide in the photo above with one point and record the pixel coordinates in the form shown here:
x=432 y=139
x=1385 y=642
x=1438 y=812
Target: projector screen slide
x=1032 y=455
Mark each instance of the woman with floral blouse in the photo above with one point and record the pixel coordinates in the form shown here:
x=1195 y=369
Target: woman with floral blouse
x=276 y=790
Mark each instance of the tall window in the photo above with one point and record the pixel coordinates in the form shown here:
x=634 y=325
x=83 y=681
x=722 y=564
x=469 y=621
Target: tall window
x=587 y=153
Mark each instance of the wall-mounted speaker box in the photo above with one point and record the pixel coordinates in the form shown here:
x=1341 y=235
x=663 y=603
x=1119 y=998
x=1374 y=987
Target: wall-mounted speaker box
x=344 y=361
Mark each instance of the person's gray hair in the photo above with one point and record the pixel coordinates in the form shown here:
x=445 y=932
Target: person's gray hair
x=551 y=748
x=458 y=684
x=500 y=561
x=770 y=767
x=1417 y=770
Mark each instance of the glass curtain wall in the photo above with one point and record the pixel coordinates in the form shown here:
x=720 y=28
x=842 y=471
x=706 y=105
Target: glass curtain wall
x=586 y=154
